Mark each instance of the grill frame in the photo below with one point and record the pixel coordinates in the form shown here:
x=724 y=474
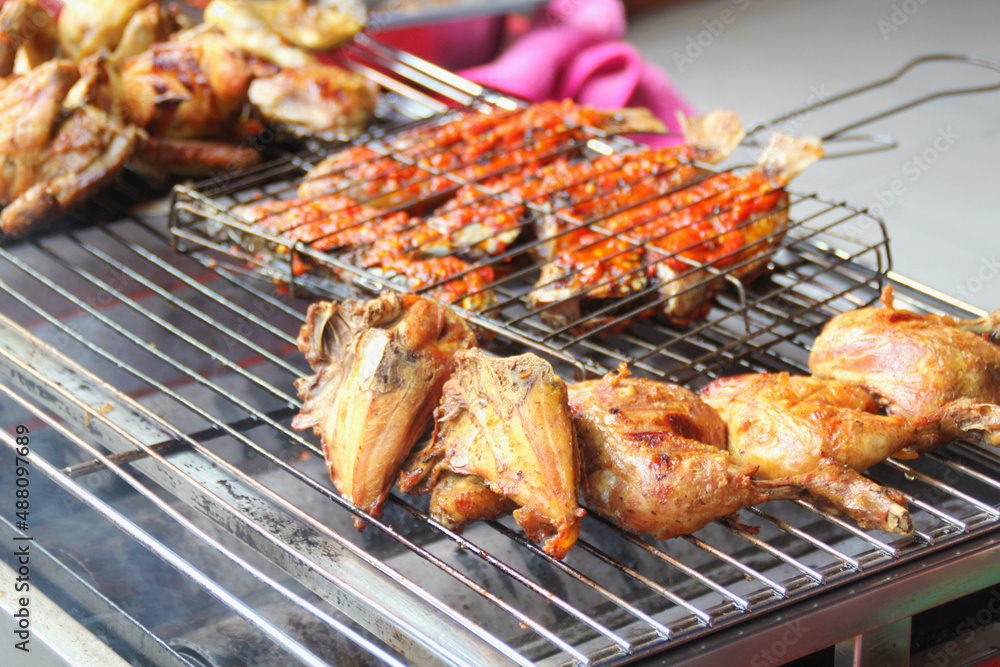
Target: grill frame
x=38 y=372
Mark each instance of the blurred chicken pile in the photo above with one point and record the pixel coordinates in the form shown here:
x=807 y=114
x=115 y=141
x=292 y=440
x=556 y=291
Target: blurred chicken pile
x=88 y=85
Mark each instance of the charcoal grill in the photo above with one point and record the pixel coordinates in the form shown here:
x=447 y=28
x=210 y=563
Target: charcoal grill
x=158 y=391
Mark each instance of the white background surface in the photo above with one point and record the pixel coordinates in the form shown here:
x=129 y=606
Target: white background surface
x=771 y=56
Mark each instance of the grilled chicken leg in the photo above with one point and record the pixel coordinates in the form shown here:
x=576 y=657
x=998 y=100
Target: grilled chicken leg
x=379 y=370
x=505 y=422
x=788 y=425
x=917 y=364
x=655 y=459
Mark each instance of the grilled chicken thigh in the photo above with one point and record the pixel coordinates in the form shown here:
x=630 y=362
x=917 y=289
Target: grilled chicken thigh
x=57 y=146
x=506 y=423
x=914 y=364
x=379 y=370
x=787 y=425
x=655 y=459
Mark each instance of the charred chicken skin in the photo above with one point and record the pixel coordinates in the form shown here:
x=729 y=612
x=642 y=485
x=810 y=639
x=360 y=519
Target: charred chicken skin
x=791 y=425
x=917 y=364
x=655 y=459
x=379 y=370
x=505 y=423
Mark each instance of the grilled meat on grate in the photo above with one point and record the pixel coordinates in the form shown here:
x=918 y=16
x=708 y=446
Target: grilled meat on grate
x=667 y=234
x=380 y=366
x=505 y=422
x=788 y=425
x=655 y=459
x=470 y=147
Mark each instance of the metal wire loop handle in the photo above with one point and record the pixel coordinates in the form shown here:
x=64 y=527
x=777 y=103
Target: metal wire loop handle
x=882 y=142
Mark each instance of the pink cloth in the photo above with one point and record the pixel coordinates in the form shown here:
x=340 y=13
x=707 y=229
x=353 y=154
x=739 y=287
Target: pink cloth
x=573 y=50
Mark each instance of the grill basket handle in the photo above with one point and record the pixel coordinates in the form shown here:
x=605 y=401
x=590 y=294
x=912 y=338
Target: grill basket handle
x=881 y=142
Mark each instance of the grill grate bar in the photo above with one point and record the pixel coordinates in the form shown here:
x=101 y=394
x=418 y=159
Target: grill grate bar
x=520 y=578
x=737 y=601
x=260 y=451
x=945 y=488
x=745 y=569
x=166 y=446
x=887 y=549
x=180 y=304
x=850 y=562
x=170 y=557
x=964 y=469
x=777 y=553
x=131 y=303
x=660 y=629
x=704 y=617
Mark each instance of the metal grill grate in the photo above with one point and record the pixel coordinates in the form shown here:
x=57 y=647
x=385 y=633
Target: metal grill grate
x=175 y=374
x=826 y=243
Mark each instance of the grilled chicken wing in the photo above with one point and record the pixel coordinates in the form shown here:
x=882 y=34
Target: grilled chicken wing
x=914 y=364
x=655 y=459
x=316 y=99
x=379 y=370
x=506 y=422
x=57 y=147
x=789 y=425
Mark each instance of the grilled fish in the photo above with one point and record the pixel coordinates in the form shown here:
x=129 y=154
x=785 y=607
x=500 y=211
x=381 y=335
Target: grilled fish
x=506 y=422
x=379 y=370
x=667 y=238
x=470 y=147
x=655 y=457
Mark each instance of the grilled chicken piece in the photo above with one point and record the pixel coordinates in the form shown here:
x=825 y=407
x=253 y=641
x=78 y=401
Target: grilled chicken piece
x=458 y=500
x=188 y=87
x=655 y=459
x=473 y=146
x=916 y=364
x=57 y=147
x=506 y=421
x=316 y=99
x=284 y=31
x=668 y=233
x=188 y=94
x=119 y=28
x=26 y=27
x=379 y=370
x=788 y=425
